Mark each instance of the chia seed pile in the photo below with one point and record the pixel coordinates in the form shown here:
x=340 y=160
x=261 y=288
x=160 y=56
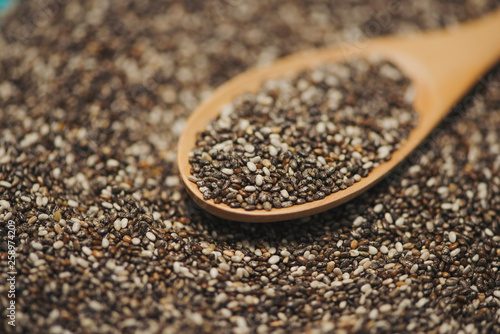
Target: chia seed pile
x=93 y=97
x=299 y=140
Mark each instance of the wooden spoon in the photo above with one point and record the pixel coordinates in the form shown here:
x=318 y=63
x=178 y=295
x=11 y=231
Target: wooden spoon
x=442 y=64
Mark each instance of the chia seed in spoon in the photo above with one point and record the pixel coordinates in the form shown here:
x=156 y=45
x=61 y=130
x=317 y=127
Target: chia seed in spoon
x=301 y=139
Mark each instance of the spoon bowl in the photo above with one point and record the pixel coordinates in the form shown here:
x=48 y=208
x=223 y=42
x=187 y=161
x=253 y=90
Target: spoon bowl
x=442 y=65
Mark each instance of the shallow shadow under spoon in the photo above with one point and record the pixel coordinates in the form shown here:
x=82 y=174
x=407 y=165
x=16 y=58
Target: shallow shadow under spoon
x=443 y=65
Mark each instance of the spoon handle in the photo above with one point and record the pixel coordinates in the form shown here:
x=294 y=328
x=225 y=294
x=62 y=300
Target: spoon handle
x=448 y=62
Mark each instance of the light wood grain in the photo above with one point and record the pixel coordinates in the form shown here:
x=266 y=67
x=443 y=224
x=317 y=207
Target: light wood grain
x=443 y=66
